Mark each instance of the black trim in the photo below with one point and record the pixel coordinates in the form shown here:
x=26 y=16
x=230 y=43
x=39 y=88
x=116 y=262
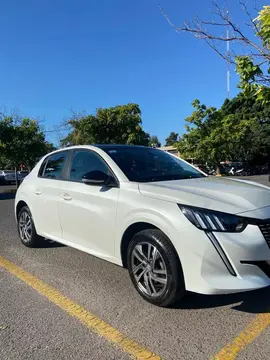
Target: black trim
x=221 y=253
x=42 y=167
x=67 y=165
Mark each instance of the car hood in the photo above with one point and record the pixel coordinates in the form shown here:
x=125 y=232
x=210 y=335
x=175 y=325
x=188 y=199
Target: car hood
x=221 y=194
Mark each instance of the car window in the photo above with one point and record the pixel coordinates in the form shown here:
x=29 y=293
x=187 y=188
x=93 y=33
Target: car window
x=54 y=166
x=142 y=164
x=84 y=162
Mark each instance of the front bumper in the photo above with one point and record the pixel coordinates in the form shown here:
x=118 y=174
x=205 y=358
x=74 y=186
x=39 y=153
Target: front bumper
x=206 y=272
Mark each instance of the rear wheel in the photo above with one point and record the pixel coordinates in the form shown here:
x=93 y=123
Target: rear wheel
x=154 y=268
x=26 y=228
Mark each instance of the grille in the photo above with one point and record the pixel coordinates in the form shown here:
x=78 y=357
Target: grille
x=265 y=229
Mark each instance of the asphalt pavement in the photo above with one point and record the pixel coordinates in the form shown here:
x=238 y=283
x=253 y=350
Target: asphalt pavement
x=34 y=326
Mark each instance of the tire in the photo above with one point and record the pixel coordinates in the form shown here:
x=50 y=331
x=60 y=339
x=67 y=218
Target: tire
x=160 y=282
x=27 y=233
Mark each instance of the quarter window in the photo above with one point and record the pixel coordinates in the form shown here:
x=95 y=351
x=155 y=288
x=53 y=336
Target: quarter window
x=84 y=162
x=54 y=166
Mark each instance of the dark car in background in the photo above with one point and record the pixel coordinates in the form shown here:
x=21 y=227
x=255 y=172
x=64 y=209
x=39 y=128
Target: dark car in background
x=7 y=177
x=22 y=174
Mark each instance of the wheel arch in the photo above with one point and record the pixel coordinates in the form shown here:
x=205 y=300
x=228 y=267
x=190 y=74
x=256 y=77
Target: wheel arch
x=19 y=206
x=134 y=229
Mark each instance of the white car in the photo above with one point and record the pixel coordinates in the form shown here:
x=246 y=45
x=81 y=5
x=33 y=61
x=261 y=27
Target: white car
x=173 y=227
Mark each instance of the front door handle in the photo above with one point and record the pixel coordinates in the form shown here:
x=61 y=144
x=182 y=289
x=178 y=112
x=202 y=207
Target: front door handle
x=37 y=192
x=66 y=196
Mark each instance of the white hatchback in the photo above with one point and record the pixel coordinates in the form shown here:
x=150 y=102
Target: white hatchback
x=173 y=227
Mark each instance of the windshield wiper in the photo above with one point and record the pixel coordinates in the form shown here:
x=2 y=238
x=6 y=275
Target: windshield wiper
x=168 y=178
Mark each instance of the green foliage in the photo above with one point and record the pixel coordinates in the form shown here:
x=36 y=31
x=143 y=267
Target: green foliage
x=238 y=131
x=255 y=77
x=154 y=141
x=171 y=139
x=120 y=124
x=263 y=24
x=21 y=142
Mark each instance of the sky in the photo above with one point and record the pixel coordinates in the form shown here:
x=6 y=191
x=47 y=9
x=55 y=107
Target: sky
x=78 y=55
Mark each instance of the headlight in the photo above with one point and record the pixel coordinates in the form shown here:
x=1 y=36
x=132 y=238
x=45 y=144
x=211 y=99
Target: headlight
x=209 y=220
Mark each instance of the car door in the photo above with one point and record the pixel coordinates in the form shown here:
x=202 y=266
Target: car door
x=87 y=213
x=44 y=199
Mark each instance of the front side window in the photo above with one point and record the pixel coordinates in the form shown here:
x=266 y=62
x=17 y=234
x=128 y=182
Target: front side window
x=142 y=164
x=85 y=161
x=54 y=166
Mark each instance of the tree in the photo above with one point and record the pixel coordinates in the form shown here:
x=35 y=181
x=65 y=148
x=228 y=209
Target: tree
x=22 y=142
x=154 y=142
x=171 y=139
x=120 y=124
x=252 y=54
x=238 y=131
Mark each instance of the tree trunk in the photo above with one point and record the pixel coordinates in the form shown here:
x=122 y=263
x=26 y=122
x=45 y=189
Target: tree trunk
x=218 y=172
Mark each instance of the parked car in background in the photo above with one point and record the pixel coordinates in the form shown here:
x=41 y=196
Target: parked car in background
x=203 y=168
x=7 y=177
x=22 y=174
x=172 y=226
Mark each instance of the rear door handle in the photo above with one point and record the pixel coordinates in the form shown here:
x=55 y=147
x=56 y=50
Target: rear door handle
x=66 y=196
x=37 y=192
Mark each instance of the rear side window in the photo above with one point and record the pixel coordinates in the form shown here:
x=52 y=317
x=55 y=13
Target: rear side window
x=53 y=166
x=84 y=162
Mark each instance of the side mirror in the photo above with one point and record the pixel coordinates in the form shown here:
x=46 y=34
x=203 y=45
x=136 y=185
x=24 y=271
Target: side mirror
x=98 y=178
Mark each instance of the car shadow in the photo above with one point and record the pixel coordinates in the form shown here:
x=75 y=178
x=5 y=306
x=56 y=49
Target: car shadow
x=46 y=244
x=254 y=302
x=7 y=196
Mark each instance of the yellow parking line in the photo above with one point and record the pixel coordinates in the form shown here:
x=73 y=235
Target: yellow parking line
x=255 y=328
x=94 y=323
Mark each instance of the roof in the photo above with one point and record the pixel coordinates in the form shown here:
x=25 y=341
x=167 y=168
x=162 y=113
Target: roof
x=115 y=146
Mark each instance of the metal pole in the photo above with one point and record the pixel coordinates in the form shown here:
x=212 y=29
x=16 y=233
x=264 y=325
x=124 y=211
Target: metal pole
x=228 y=61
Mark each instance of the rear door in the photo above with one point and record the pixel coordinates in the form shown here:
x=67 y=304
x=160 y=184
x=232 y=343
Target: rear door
x=45 y=195
x=87 y=213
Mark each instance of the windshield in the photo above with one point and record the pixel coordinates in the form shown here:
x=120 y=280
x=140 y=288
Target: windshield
x=9 y=171
x=148 y=165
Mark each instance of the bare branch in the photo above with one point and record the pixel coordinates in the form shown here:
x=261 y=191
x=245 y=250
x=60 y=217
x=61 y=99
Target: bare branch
x=213 y=46
x=199 y=28
x=252 y=22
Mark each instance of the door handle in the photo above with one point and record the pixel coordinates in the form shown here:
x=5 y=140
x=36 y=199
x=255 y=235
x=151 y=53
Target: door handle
x=66 y=196
x=37 y=192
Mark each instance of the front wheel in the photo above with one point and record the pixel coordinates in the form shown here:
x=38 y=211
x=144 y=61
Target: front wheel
x=155 y=269
x=26 y=228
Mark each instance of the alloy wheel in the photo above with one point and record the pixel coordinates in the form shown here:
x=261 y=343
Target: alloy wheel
x=25 y=227
x=149 y=269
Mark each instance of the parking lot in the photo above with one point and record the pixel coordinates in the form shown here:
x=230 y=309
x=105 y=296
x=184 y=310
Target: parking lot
x=59 y=303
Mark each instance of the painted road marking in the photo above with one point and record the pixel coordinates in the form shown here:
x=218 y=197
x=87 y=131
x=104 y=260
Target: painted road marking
x=255 y=328
x=94 y=323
